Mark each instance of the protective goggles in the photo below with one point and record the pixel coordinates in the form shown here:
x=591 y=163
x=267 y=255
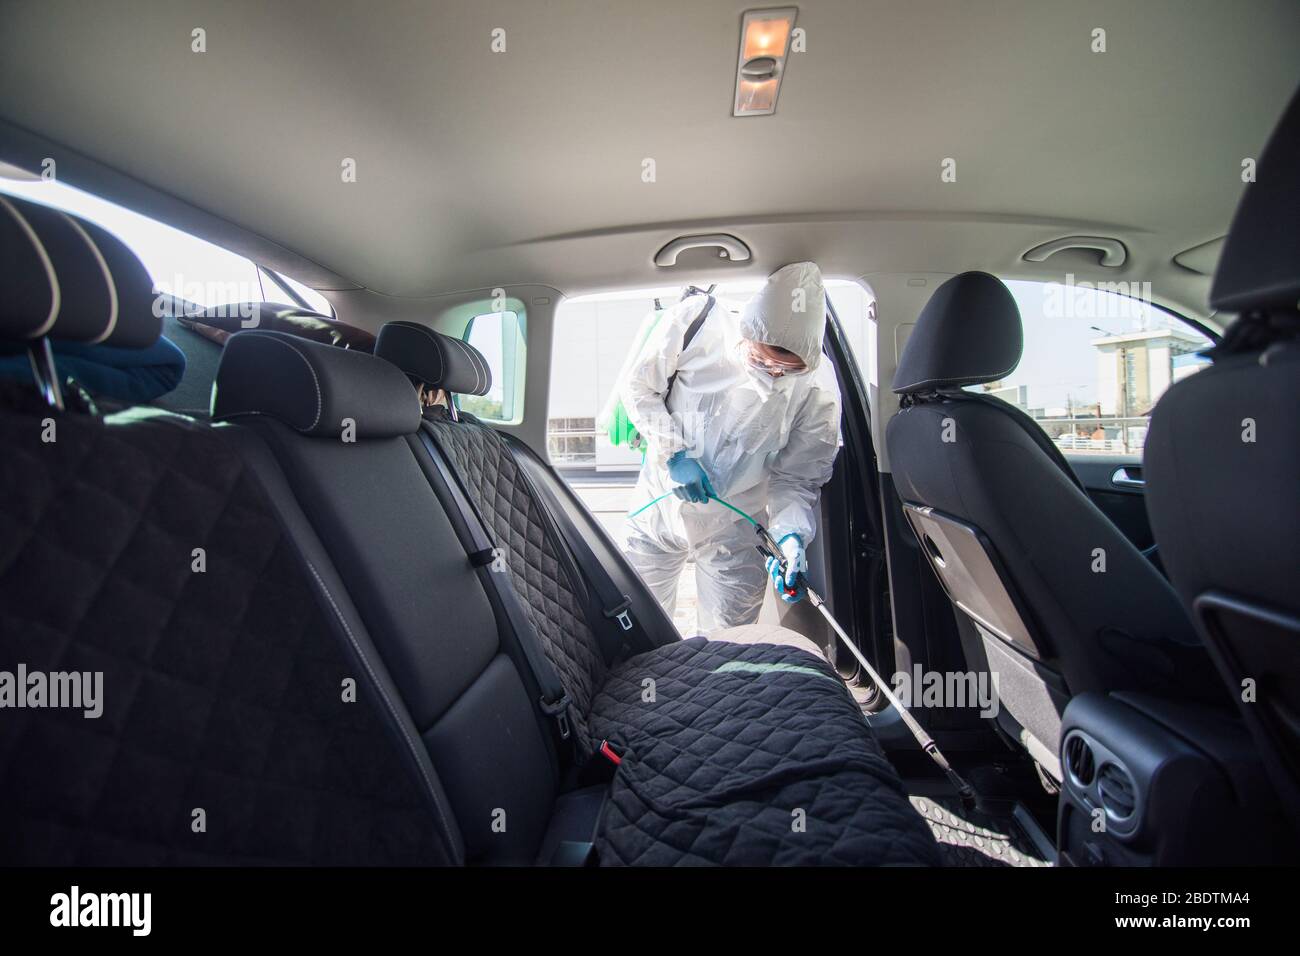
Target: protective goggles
x=773 y=360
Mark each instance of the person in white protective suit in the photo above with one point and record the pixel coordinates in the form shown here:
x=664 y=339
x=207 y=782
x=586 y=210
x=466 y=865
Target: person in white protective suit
x=752 y=417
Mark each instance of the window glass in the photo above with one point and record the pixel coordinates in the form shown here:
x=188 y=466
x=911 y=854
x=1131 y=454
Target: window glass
x=1096 y=361
x=315 y=301
x=179 y=264
x=500 y=337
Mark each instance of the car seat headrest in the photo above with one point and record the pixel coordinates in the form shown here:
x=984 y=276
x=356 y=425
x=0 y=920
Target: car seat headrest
x=1259 y=270
x=437 y=360
x=969 y=332
x=29 y=289
x=71 y=280
x=315 y=389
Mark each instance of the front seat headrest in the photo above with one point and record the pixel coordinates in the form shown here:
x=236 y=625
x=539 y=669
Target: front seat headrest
x=968 y=333
x=312 y=387
x=71 y=280
x=437 y=360
x=1259 y=270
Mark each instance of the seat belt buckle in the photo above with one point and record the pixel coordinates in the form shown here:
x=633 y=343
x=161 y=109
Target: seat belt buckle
x=559 y=711
x=610 y=752
x=622 y=614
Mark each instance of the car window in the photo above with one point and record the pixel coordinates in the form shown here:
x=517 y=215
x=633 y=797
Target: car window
x=1095 y=362
x=180 y=265
x=315 y=301
x=500 y=337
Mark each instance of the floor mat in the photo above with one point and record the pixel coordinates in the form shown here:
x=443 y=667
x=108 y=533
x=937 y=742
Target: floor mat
x=972 y=839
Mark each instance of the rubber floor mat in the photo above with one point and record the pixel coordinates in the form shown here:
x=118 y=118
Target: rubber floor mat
x=973 y=839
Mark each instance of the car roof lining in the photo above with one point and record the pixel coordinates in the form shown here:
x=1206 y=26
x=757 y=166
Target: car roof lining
x=461 y=189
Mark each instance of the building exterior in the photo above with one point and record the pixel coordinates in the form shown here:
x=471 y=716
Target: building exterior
x=1134 y=369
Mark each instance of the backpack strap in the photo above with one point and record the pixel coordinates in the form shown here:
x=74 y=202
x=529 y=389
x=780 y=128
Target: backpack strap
x=691 y=331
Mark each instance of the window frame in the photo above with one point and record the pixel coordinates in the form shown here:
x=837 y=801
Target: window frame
x=514 y=362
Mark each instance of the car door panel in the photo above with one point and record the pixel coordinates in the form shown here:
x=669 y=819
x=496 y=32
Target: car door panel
x=1114 y=483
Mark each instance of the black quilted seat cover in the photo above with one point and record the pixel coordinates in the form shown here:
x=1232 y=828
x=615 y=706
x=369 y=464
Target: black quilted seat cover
x=724 y=745
x=492 y=480
x=738 y=736
x=222 y=690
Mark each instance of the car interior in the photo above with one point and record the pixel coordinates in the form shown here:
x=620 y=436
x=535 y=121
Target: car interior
x=326 y=596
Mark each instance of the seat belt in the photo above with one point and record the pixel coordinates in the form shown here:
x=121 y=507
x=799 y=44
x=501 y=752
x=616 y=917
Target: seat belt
x=618 y=626
x=482 y=552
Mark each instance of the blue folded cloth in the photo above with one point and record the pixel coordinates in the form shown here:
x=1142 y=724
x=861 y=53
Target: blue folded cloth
x=124 y=375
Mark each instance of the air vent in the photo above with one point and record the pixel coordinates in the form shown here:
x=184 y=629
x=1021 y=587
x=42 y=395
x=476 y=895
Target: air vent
x=1118 y=794
x=1079 y=761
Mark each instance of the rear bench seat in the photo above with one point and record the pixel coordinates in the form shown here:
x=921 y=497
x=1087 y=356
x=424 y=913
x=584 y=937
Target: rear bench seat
x=224 y=737
x=722 y=742
x=330 y=562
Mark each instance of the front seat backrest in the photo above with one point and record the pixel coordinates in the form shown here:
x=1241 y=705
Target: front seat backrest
x=1013 y=537
x=1223 y=466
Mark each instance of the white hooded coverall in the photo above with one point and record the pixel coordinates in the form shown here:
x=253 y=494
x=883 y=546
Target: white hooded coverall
x=767 y=444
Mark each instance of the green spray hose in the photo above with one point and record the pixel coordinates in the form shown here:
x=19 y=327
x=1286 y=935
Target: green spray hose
x=726 y=504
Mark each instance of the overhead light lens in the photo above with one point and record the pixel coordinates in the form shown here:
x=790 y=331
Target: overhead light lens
x=764 y=45
x=766 y=37
x=755 y=99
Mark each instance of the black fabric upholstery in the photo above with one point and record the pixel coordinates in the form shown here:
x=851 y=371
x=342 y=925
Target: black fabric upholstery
x=312 y=388
x=70 y=279
x=1117 y=629
x=28 y=286
x=1223 y=467
x=86 y=304
x=1226 y=511
x=1224 y=508
x=222 y=689
x=491 y=478
x=1121 y=629
x=717 y=764
x=139 y=321
x=1259 y=270
x=435 y=359
x=29 y=293
x=747 y=755
x=1032 y=430
x=350 y=632
x=969 y=332
x=433 y=626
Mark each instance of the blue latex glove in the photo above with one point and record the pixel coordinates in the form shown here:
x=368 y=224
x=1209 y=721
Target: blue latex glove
x=692 y=483
x=796 y=563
